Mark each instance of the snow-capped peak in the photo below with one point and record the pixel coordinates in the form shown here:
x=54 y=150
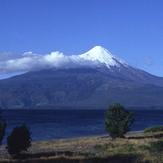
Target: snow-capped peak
x=101 y=55
x=96 y=57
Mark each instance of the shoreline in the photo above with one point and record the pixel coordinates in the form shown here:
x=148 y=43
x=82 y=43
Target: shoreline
x=130 y=133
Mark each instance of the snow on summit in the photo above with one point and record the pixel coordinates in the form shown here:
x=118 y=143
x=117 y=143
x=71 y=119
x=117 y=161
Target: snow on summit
x=95 y=57
x=101 y=55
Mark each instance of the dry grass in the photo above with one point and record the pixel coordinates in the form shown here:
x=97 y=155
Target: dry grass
x=135 y=146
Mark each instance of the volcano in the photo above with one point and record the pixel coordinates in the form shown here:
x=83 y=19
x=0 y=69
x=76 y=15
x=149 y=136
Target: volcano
x=94 y=79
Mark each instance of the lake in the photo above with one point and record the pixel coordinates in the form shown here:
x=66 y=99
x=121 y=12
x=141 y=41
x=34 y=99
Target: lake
x=56 y=124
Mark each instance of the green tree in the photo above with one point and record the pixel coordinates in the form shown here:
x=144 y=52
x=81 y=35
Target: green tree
x=2 y=127
x=118 y=120
x=19 y=140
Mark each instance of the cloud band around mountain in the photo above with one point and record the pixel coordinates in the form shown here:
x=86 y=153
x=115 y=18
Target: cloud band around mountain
x=30 y=61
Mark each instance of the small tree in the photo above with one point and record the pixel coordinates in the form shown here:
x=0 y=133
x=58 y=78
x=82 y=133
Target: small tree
x=19 y=140
x=2 y=128
x=118 y=120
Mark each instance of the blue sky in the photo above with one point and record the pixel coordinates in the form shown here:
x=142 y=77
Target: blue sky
x=130 y=29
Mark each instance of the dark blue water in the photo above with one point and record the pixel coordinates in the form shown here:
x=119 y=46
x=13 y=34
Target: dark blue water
x=55 y=124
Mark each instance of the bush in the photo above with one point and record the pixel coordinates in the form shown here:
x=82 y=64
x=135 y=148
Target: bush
x=153 y=129
x=2 y=128
x=19 y=140
x=156 y=147
x=118 y=120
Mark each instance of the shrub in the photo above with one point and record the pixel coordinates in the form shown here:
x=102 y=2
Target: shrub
x=156 y=147
x=118 y=120
x=19 y=140
x=2 y=128
x=153 y=129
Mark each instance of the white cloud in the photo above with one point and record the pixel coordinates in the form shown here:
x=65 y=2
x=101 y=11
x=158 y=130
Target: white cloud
x=30 y=61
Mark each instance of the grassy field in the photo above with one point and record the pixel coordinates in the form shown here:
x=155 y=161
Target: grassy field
x=135 y=148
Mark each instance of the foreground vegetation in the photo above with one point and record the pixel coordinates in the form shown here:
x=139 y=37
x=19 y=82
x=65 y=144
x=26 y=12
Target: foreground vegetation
x=118 y=121
x=153 y=129
x=135 y=148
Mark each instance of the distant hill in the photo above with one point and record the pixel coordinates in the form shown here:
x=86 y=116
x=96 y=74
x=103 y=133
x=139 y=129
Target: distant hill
x=107 y=80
